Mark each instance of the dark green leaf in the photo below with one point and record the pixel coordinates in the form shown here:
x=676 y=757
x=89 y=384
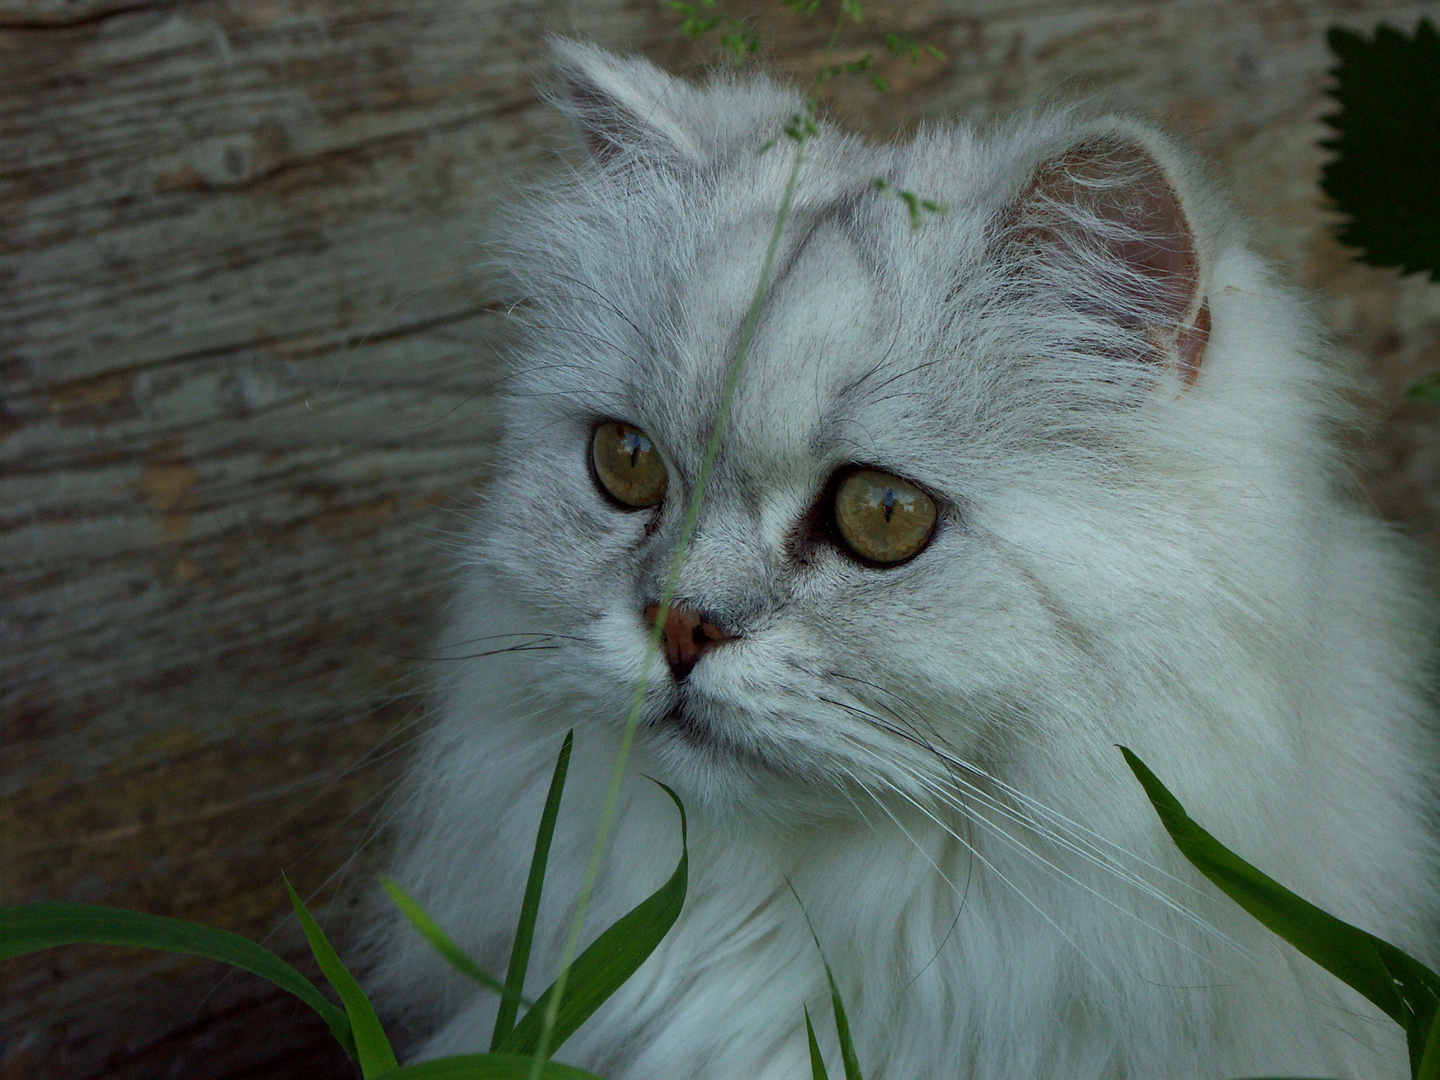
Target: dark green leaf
x=817 y=1063
x=1386 y=173
x=611 y=958
x=1427 y=389
x=485 y=1067
x=1402 y=987
x=430 y=930
x=32 y=927
x=530 y=904
x=372 y=1048
x=1429 y=1068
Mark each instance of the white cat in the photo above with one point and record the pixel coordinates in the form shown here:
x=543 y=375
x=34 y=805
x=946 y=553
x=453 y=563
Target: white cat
x=1053 y=471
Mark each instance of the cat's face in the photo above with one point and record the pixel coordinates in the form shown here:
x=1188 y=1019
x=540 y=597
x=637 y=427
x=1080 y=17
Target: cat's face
x=910 y=445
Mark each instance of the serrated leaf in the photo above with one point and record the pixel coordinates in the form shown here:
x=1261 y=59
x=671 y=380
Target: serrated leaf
x=1427 y=389
x=530 y=904
x=372 y=1048
x=485 y=1067
x=611 y=958
x=1386 y=173
x=32 y=927
x=1399 y=985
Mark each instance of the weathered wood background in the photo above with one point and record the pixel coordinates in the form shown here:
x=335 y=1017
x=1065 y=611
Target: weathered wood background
x=245 y=363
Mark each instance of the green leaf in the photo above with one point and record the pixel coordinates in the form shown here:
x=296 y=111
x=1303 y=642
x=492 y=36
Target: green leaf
x=484 y=1067
x=611 y=958
x=1386 y=172
x=817 y=1063
x=31 y=927
x=842 y=1027
x=530 y=904
x=1429 y=1067
x=902 y=44
x=372 y=1048
x=740 y=42
x=430 y=930
x=1403 y=988
x=842 y=1023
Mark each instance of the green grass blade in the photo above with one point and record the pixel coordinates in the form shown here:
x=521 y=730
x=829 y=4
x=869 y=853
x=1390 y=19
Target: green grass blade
x=530 y=905
x=484 y=1067
x=1429 y=1067
x=1403 y=988
x=842 y=1022
x=32 y=927
x=430 y=930
x=817 y=1063
x=842 y=1029
x=611 y=958
x=372 y=1048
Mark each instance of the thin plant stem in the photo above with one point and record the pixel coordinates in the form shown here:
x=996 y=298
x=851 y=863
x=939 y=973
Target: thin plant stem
x=692 y=513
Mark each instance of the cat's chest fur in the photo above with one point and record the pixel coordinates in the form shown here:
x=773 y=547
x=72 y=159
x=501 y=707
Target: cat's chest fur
x=1053 y=471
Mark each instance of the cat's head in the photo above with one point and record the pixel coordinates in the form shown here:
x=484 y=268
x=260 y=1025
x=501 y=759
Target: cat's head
x=964 y=490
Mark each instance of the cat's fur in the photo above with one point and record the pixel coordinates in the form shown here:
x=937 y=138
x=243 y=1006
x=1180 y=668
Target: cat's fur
x=1146 y=537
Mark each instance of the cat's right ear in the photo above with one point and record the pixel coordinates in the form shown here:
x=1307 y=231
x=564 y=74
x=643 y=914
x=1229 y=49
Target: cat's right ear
x=623 y=107
x=1103 y=225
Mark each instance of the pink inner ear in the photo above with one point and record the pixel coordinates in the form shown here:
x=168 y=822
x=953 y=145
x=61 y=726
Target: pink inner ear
x=1190 y=346
x=1109 y=197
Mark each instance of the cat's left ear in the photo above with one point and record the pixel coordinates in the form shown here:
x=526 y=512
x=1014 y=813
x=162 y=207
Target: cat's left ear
x=623 y=106
x=1105 y=221
x=632 y=113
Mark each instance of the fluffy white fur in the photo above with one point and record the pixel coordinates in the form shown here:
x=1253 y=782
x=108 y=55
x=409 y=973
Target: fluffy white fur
x=1130 y=550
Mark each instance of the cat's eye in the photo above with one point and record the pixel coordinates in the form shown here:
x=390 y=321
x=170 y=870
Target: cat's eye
x=882 y=518
x=627 y=466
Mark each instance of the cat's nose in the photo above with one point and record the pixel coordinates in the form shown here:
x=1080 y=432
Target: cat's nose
x=686 y=636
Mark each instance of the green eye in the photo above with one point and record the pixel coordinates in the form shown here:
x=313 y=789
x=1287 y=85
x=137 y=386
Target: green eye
x=627 y=466
x=882 y=518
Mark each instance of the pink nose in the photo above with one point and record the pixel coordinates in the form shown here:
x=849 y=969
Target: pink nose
x=686 y=636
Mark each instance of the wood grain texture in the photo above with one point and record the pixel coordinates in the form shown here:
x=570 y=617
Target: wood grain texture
x=246 y=359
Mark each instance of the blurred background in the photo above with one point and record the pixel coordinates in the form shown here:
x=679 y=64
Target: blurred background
x=246 y=359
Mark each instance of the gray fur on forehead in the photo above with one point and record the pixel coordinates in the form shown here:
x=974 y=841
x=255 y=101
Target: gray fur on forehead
x=639 y=267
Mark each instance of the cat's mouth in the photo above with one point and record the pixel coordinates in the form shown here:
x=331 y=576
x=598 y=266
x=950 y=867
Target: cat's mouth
x=691 y=723
x=702 y=725
x=715 y=732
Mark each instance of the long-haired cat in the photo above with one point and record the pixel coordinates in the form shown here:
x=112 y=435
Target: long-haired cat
x=1055 y=470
